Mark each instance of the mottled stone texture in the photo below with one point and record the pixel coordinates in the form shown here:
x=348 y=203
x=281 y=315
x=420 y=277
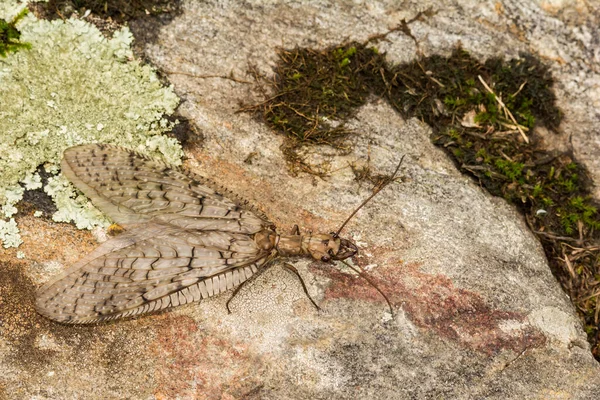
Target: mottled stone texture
x=478 y=313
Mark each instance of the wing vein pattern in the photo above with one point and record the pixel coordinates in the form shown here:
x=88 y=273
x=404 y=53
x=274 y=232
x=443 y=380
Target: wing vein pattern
x=186 y=239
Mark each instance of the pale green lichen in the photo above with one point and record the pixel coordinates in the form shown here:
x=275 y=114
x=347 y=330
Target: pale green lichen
x=10 y=233
x=11 y=197
x=73 y=205
x=32 y=181
x=74 y=86
x=9 y=10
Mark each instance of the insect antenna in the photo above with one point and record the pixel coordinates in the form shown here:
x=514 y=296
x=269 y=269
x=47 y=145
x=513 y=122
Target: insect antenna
x=363 y=275
x=377 y=189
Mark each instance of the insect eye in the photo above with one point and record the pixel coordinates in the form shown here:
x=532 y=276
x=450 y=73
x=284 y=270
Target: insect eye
x=325 y=258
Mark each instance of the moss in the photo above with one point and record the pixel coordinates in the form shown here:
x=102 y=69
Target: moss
x=578 y=209
x=117 y=10
x=10 y=35
x=75 y=86
x=318 y=91
x=489 y=146
x=552 y=190
x=483 y=114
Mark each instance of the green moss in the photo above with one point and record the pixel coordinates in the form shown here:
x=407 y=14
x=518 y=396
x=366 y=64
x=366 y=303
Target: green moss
x=318 y=91
x=512 y=170
x=483 y=114
x=75 y=86
x=578 y=209
x=480 y=114
x=10 y=35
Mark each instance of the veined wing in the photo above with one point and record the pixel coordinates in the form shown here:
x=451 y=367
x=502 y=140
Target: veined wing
x=131 y=188
x=149 y=268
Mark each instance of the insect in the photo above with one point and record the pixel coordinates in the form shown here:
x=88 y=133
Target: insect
x=186 y=239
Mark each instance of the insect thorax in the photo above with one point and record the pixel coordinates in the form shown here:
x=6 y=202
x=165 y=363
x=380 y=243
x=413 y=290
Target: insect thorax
x=317 y=246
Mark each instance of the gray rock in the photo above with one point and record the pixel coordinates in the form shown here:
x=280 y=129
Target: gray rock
x=478 y=313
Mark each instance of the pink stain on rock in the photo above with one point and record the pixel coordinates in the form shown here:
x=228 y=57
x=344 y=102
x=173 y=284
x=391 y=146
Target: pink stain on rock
x=432 y=302
x=198 y=364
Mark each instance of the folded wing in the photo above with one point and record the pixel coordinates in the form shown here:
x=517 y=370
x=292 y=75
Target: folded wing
x=149 y=268
x=131 y=188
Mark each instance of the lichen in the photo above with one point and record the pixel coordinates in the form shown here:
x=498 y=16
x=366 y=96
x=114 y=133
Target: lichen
x=12 y=197
x=73 y=206
x=74 y=86
x=32 y=181
x=9 y=233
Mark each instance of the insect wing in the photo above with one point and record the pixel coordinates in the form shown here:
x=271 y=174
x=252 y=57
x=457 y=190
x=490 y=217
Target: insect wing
x=131 y=188
x=149 y=268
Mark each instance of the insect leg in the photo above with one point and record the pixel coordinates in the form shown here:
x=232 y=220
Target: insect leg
x=262 y=269
x=295 y=230
x=293 y=269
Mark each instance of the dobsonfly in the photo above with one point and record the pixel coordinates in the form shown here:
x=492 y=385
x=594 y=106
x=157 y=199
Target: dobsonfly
x=186 y=239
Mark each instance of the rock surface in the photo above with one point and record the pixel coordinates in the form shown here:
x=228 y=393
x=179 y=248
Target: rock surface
x=478 y=313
